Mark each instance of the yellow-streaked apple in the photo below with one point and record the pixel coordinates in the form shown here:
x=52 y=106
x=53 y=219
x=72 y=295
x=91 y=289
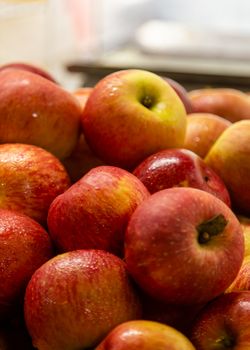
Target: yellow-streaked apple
x=74 y=299
x=31 y=178
x=131 y=114
x=203 y=129
x=93 y=213
x=229 y=157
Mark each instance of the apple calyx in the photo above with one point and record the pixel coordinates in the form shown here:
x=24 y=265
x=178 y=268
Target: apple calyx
x=225 y=342
x=211 y=228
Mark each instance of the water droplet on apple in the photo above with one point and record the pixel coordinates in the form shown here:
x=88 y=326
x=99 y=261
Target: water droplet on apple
x=34 y=115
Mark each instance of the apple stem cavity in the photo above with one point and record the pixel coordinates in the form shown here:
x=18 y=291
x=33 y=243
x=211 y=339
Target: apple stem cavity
x=226 y=342
x=147 y=101
x=211 y=228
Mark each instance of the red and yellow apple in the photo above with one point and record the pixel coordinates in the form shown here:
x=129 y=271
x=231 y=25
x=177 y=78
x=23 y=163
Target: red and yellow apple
x=183 y=246
x=180 y=168
x=203 y=129
x=76 y=298
x=31 y=178
x=224 y=324
x=131 y=114
x=33 y=110
x=94 y=212
x=145 y=335
x=231 y=104
x=24 y=246
x=229 y=157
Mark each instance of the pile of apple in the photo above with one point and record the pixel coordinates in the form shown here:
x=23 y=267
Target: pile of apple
x=124 y=214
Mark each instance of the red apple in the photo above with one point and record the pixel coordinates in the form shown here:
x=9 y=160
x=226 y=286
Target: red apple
x=76 y=298
x=183 y=246
x=180 y=168
x=24 y=246
x=31 y=178
x=144 y=335
x=230 y=159
x=28 y=67
x=131 y=114
x=94 y=212
x=203 y=129
x=36 y=111
x=182 y=93
x=231 y=104
x=224 y=324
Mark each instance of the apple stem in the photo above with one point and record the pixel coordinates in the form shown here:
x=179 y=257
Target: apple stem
x=147 y=101
x=210 y=228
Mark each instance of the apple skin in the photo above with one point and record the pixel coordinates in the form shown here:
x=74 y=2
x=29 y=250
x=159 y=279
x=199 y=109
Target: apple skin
x=171 y=239
x=24 y=246
x=182 y=93
x=224 y=323
x=131 y=114
x=245 y=223
x=31 y=178
x=203 y=129
x=229 y=158
x=30 y=68
x=94 y=212
x=76 y=298
x=231 y=104
x=144 y=335
x=33 y=110
x=180 y=168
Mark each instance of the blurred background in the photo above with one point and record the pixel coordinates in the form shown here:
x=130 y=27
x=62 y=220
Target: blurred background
x=78 y=41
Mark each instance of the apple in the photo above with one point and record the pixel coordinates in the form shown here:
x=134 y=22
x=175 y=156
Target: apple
x=144 y=335
x=224 y=323
x=231 y=104
x=203 y=129
x=76 y=298
x=31 y=178
x=182 y=93
x=131 y=114
x=28 y=67
x=180 y=168
x=94 y=212
x=229 y=157
x=183 y=246
x=24 y=246
x=34 y=110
